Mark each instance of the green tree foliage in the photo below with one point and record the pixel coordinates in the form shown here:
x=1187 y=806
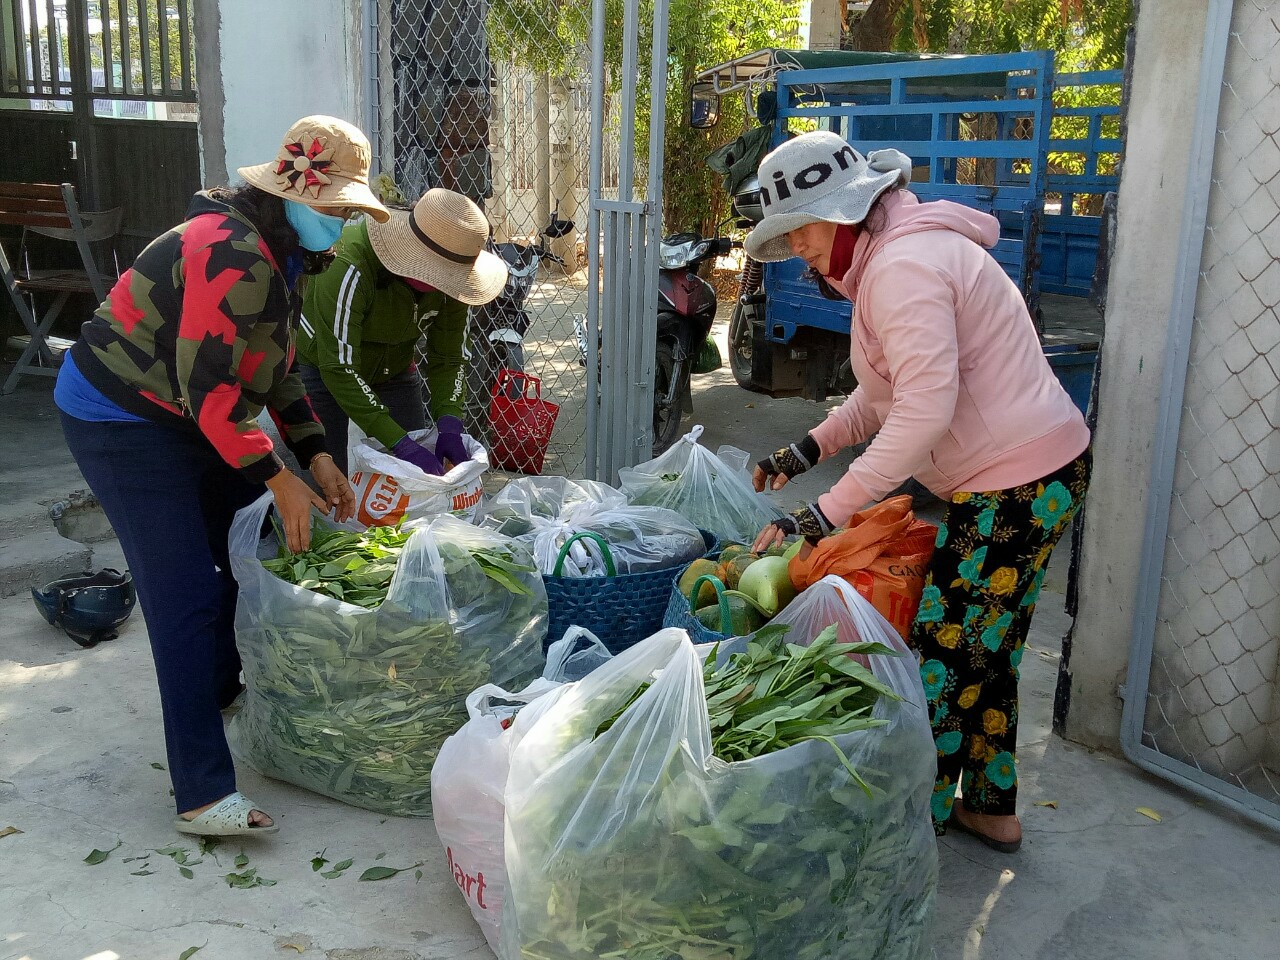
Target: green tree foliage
x=1085 y=35
x=552 y=36
x=704 y=33
x=1088 y=34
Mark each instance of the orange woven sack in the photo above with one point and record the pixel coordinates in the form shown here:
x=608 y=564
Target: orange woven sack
x=884 y=552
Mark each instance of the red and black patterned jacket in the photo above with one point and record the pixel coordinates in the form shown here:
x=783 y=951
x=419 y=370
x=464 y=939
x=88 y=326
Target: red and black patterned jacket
x=199 y=334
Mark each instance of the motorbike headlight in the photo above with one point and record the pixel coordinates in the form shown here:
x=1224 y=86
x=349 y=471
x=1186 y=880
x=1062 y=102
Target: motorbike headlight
x=674 y=257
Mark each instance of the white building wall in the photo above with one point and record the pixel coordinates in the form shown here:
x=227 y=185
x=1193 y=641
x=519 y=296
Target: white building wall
x=272 y=64
x=1153 y=193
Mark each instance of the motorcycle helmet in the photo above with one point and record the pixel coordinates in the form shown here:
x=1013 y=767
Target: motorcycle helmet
x=746 y=200
x=89 y=607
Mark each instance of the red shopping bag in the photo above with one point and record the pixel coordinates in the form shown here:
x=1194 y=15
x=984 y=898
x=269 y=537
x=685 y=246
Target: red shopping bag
x=521 y=422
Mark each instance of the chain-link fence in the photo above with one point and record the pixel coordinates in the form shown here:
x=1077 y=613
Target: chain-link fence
x=491 y=99
x=1213 y=701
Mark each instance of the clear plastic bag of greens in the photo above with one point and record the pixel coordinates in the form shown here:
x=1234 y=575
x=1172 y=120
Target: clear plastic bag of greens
x=713 y=490
x=546 y=512
x=353 y=699
x=638 y=841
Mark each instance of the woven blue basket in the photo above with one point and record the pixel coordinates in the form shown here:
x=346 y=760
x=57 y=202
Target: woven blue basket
x=680 y=612
x=619 y=609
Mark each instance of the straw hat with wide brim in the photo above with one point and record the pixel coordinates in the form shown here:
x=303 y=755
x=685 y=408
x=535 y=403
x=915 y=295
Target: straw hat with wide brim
x=819 y=177
x=441 y=241
x=323 y=162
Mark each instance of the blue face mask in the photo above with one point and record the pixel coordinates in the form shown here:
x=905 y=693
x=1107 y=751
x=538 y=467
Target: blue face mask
x=316 y=231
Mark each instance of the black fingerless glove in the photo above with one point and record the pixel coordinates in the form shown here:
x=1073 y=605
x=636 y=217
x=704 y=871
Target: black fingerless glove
x=809 y=522
x=792 y=460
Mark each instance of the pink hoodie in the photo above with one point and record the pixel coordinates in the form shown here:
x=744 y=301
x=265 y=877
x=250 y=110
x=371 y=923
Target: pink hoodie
x=950 y=370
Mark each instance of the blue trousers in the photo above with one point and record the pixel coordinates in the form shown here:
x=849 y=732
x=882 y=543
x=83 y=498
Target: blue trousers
x=170 y=499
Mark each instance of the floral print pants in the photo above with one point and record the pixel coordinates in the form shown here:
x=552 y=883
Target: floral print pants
x=991 y=555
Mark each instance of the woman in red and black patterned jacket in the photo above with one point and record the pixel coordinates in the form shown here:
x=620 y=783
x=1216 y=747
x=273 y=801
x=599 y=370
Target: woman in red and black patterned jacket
x=159 y=402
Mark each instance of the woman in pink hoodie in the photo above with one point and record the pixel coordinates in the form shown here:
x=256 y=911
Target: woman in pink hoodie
x=954 y=387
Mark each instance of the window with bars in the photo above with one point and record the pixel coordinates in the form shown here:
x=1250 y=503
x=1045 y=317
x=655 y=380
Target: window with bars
x=115 y=50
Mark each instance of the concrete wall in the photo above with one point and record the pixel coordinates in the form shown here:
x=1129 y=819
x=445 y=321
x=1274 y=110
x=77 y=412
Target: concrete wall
x=1151 y=201
x=263 y=65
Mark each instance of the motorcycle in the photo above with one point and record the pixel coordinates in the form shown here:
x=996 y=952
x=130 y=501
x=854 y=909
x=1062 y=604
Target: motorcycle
x=686 y=311
x=498 y=328
x=748 y=309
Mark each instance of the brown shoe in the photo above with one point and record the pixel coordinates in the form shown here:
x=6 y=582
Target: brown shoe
x=1003 y=846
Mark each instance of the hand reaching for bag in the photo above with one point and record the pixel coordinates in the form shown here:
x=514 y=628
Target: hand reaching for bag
x=449 y=447
x=781 y=466
x=337 y=491
x=410 y=451
x=294 y=500
x=809 y=521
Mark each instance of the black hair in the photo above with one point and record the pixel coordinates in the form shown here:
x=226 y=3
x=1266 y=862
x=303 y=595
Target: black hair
x=266 y=212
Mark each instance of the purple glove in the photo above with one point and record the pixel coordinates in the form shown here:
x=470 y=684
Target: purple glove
x=450 y=446
x=410 y=451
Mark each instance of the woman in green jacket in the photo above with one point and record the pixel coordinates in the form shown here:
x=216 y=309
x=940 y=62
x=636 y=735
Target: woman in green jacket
x=389 y=285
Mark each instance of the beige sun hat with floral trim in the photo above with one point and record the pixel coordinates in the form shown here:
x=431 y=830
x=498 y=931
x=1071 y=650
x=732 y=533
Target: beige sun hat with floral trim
x=441 y=241
x=323 y=162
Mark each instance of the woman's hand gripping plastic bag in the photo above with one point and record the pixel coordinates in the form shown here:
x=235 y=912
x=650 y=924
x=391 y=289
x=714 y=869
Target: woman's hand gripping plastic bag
x=546 y=512
x=469 y=779
x=389 y=490
x=354 y=703
x=884 y=552
x=712 y=490
x=638 y=842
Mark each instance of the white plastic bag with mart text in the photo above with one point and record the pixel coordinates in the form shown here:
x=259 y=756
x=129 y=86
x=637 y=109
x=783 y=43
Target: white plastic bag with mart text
x=642 y=829
x=712 y=489
x=389 y=489
x=470 y=776
x=467 y=786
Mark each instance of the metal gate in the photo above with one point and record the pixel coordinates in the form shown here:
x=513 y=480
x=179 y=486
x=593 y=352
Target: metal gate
x=1202 y=700
x=515 y=104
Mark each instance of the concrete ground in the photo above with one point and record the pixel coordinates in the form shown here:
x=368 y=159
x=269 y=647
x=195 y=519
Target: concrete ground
x=80 y=740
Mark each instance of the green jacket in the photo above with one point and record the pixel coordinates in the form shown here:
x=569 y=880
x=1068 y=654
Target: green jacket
x=360 y=326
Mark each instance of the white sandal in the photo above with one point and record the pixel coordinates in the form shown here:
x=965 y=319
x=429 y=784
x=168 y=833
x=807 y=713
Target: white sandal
x=229 y=817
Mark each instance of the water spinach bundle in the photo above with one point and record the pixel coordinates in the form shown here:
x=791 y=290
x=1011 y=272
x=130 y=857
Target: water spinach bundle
x=357 y=678
x=793 y=824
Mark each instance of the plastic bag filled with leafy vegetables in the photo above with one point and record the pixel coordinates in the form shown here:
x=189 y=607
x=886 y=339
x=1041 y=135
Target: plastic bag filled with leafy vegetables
x=713 y=490
x=354 y=702
x=546 y=512
x=626 y=835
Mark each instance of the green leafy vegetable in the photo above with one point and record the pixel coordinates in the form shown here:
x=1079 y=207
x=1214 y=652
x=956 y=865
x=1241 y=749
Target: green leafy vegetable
x=96 y=856
x=247 y=880
x=383 y=873
x=754 y=856
x=356 y=706
x=338 y=870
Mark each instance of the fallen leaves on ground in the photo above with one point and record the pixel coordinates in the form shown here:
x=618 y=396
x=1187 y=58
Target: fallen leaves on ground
x=1149 y=813
x=97 y=856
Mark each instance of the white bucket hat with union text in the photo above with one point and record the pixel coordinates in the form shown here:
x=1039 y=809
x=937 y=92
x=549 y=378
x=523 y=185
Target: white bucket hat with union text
x=819 y=177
